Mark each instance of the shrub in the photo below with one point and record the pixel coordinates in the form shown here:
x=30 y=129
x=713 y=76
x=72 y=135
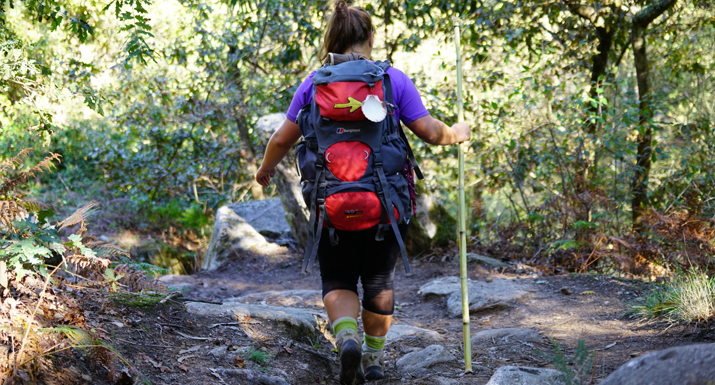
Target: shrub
x=690 y=297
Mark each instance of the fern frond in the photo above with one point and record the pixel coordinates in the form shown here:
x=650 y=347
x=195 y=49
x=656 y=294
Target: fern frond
x=89 y=267
x=84 y=261
x=79 y=216
x=34 y=206
x=104 y=249
x=11 y=211
x=12 y=163
x=46 y=164
x=135 y=279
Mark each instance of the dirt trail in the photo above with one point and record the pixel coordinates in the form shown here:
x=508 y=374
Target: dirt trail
x=162 y=338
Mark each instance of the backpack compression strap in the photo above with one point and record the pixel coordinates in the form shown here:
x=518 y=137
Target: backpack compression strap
x=319 y=213
x=387 y=202
x=388 y=90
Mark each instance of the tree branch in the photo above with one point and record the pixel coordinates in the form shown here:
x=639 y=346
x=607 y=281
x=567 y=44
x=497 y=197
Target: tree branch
x=646 y=15
x=587 y=12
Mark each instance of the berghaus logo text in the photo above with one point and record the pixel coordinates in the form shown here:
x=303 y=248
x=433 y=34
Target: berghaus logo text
x=348 y=130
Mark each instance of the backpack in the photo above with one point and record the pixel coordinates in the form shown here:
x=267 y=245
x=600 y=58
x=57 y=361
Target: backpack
x=351 y=166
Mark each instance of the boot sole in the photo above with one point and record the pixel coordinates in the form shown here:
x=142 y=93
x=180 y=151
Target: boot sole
x=350 y=364
x=374 y=373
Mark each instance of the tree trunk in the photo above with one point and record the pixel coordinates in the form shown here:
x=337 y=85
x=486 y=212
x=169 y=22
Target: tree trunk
x=598 y=69
x=641 y=20
x=606 y=22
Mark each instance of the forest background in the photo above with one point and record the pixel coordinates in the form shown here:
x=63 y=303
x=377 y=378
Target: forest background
x=593 y=144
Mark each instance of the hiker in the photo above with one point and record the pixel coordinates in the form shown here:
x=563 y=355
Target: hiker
x=344 y=255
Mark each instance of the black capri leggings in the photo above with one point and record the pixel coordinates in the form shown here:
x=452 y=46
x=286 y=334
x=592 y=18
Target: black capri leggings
x=359 y=256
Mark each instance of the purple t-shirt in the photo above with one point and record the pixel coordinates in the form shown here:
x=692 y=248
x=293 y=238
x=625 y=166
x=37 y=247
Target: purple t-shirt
x=404 y=95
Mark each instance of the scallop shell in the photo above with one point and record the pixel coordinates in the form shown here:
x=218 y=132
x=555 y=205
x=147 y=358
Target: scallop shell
x=374 y=109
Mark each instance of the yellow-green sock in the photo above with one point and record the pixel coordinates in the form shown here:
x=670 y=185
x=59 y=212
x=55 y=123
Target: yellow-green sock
x=372 y=343
x=344 y=323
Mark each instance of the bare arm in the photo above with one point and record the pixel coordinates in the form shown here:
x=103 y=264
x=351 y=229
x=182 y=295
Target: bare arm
x=278 y=146
x=434 y=131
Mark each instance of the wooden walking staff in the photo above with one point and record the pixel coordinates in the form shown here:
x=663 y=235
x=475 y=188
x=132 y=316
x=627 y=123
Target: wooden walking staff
x=462 y=213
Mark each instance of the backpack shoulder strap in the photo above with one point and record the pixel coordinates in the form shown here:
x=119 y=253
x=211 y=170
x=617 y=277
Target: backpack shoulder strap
x=388 y=90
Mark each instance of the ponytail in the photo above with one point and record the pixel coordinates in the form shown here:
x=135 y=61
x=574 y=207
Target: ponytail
x=348 y=26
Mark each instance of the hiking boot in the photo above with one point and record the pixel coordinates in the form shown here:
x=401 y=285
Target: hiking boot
x=350 y=352
x=372 y=365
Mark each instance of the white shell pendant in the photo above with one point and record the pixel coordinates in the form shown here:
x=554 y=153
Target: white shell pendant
x=374 y=109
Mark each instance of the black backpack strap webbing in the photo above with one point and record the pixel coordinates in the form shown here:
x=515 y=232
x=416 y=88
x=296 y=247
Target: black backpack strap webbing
x=387 y=202
x=410 y=154
x=317 y=214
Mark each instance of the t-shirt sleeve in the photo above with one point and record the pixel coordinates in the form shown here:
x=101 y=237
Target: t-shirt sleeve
x=406 y=97
x=302 y=96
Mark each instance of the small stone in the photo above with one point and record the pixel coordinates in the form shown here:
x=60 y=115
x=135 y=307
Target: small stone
x=565 y=291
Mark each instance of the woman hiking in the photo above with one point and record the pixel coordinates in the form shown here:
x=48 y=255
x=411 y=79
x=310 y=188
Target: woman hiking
x=358 y=255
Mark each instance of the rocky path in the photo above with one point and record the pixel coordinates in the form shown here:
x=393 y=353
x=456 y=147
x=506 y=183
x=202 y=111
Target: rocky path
x=257 y=320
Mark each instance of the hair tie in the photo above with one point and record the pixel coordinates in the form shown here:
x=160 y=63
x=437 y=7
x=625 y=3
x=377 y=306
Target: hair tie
x=341 y=9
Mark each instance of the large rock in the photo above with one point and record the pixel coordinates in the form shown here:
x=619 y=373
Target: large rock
x=232 y=233
x=485 y=295
x=683 y=365
x=298 y=323
x=517 y=375
x=482 y=294
x=399 y=332
x=266 y=216
x=440 y=287
x=505 y=336
x=287 y=181
x=431 y=355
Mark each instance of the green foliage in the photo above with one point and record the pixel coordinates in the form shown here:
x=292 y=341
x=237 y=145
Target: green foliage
x=576 y=369
x=549 y=169
x=689 y=297
x=446 y=226
x=149 y=270
x=189 y=215
x=112 y=278
x=28 y=240
x=137 y=300
x=28 y=245
x=564 y=244
x=258 y=356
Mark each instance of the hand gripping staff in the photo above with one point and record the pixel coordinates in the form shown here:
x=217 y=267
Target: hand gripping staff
x=462 y=213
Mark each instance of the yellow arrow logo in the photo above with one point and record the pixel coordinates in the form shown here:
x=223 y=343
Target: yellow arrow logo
x=353 y=104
